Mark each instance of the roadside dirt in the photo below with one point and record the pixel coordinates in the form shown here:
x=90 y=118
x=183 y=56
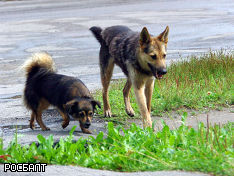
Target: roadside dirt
x=173 y=120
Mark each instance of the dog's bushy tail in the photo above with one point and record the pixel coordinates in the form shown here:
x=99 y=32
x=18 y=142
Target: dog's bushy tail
x=37 y=61
x=97 y=33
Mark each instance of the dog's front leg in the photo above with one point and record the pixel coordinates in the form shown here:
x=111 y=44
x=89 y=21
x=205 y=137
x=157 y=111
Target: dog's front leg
x=85 y=130
x=66 y=119
x=149 y=87
x=141 y=101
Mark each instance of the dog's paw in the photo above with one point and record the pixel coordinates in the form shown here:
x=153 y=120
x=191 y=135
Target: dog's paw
x=130 y=112
x=107 y=113
x=65 y=124
x=32 y=126
x=85 y=130
x=46 y=129
x=147 y=123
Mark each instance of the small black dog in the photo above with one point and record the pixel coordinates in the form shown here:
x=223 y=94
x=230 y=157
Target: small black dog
x=44 y=87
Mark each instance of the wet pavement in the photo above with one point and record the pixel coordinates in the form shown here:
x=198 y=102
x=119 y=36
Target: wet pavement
x=61 y=28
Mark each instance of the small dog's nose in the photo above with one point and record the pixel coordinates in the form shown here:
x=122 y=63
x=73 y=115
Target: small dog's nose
x=87 y=124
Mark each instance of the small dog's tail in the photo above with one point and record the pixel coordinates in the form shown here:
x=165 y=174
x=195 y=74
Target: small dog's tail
x=37 y=61
x=97 y=33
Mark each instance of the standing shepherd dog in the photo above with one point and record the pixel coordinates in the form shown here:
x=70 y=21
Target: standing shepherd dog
x=140 y=56
x=44 y=87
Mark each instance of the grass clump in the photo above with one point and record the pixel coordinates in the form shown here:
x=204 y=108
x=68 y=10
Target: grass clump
x=208 y=150
x=194 y=83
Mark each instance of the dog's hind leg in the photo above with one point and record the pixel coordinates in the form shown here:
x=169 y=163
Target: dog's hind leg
x=106 y=66
x=149 y=87
x=106 y=77
x=126 y=91
x=42 y=106
x=32 y=121
x=31 y=101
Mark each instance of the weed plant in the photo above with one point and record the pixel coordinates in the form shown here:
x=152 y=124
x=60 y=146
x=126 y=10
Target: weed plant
x=206 y=149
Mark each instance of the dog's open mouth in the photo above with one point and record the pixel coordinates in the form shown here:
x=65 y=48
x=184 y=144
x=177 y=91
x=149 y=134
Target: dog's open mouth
x=159 y=76
x=156 y=74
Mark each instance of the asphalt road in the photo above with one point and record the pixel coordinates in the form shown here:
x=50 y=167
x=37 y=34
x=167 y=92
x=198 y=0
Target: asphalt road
x=61 y=28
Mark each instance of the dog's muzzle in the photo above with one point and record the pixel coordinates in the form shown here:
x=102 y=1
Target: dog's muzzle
x=87 y=124
x=158 y=73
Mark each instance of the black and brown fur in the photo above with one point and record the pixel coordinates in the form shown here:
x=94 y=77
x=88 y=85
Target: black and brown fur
x=45 y=87
x=140 y=56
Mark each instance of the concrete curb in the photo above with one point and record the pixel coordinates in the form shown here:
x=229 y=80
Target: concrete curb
x=81 y=171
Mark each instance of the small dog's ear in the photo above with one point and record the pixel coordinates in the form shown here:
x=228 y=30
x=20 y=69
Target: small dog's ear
x=164 y=35
x=70 y=106
x=145 y=38
x=96 y=103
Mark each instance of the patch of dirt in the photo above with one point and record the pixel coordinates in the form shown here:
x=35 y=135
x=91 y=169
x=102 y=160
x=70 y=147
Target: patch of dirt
x=173 y=120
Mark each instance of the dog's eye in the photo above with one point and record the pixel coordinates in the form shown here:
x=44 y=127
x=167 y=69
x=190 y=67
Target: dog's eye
x=154 y=57
x=90 y=113
x=81 y=114
x=164 y=55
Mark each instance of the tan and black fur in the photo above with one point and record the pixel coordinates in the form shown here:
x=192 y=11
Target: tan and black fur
x=140 y=56
x=45 y=87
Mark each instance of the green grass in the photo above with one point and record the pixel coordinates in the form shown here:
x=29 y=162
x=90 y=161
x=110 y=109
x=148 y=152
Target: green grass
x=193 y=83
x=208 y=150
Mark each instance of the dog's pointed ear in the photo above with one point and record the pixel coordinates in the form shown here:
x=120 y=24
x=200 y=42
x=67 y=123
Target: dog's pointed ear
x=70 y=106
x=164 y=35
x=144 y=37
x=96 y=103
